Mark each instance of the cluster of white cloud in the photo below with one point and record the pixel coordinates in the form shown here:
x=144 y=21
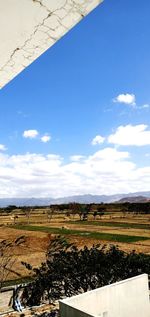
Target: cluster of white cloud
x=32 y=134
x=76 y=158
x=45 y=138
x=135 y=135
x=3 y=147
x=130 y=100
x=128 y=135
x=145 y=106
x=108 y=171
x=98 y=140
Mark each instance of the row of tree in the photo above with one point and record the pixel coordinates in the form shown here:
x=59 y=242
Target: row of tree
x=82 y=210
x=73 y=208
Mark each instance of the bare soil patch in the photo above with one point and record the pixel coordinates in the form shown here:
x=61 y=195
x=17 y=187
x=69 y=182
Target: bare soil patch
x=32 y=251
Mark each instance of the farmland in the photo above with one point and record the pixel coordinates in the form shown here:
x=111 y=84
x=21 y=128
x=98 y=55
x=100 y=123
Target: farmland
x=127 y=231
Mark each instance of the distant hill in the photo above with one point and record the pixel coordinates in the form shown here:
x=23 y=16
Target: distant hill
x=136 y=199
x=97 y=199
x=84 y=199
x=20 y=202
x=87 y=199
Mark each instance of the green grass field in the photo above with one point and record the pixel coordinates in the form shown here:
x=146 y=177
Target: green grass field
x=90 y=235
x=111 y=224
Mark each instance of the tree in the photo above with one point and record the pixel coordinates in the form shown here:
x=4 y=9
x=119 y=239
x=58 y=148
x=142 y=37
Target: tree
x=27 y=211
x=68 y=213
x=125 y=208
x=10 y=208
x=14 y=218
x=101 y=213
x=145 y=208
x=100 y=210
x=83 y=212
x=7 y=258
x=50 y=213
x=46 y=278
x=74 y=208
x=95 y=214
x=69 y=271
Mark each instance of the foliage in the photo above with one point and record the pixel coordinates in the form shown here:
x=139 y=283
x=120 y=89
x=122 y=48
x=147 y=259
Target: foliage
x=7 y=258
x=9 y=208
x=69 y=271
x=139 y=208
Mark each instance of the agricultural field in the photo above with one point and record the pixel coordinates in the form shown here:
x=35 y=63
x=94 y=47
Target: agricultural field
x=129 y=232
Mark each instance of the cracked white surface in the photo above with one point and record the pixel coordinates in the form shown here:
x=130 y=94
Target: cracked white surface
x=30 y=27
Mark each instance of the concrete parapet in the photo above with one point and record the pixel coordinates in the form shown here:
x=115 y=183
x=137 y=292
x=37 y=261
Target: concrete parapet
x=127 y=298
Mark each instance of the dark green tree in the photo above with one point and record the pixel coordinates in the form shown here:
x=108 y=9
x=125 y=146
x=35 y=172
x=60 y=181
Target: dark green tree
x=69 y=271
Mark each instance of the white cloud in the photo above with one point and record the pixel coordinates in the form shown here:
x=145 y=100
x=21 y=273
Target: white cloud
x=107 y=171
x=128 y=99
x=109 y=154
x=137 y=135
x=45 y=138
x=145 y=106
x=31 y=134
x=76 y=158
x=3 y=147
x=98 y=140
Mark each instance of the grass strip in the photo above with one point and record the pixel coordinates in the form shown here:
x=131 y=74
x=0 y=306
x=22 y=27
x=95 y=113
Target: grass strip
x=112 y=224
x=90 y=235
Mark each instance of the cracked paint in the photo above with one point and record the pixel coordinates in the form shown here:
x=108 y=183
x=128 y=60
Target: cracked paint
x=34 y=26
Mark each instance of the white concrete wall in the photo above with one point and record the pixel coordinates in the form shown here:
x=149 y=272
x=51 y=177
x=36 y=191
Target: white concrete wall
x=128 y=298
x=29 y=27
x=68 y=311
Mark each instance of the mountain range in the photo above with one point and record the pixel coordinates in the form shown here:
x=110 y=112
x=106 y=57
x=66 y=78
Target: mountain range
x=87 y=199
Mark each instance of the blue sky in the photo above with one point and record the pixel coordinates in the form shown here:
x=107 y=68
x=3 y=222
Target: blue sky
x=77 y=120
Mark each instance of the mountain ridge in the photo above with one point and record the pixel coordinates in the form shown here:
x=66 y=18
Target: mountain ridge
x=87 y=199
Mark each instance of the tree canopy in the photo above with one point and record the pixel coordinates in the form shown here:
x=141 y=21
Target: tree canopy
x=68 y=270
